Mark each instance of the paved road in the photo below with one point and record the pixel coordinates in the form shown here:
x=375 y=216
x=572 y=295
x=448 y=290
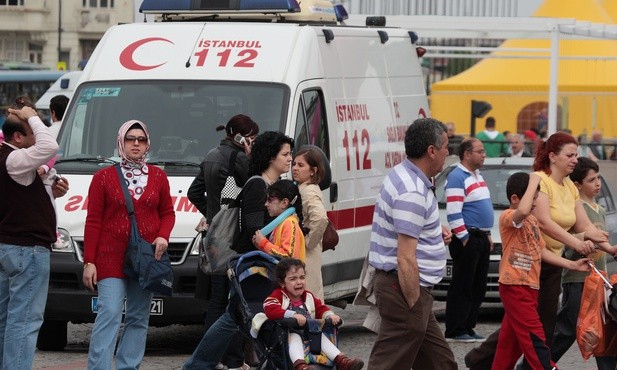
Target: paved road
x=168 y=348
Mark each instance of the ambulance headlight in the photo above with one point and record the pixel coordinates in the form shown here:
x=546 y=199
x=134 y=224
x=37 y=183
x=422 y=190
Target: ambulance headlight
x=196 y=246
x=64 y=242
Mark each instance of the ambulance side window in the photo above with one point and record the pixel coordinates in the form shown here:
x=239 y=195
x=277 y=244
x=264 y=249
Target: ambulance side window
x=311 y=123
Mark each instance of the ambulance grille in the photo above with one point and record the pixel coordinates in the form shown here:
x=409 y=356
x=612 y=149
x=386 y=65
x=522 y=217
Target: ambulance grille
x=176 y=251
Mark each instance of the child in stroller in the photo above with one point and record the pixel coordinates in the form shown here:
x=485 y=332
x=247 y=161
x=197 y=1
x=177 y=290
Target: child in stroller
x=292 y=300
x=252 y=278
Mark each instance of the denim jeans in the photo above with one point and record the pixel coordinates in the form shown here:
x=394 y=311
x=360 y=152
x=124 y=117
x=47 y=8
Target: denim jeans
x=130 y=352
x=217 y=305
x=24 y=281
x=212 y=346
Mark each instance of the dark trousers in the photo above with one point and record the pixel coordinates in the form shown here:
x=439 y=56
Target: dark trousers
x=219 y=297
x=468 y=285
x=565 y=328
x=481 y=358
x=407 y=338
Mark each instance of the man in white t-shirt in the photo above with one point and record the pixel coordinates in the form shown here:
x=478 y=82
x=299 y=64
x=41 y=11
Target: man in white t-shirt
x=57 y=106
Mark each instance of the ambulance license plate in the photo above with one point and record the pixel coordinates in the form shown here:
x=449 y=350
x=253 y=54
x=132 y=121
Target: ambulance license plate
x=156 y=306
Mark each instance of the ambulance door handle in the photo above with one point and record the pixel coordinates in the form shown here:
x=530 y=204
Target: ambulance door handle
x=333 y=192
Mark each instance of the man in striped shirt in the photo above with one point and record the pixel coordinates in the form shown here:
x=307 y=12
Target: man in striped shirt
x=470 y=215
x=408 y=252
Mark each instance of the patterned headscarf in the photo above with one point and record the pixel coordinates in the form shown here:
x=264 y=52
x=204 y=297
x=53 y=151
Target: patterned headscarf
x=126 y=162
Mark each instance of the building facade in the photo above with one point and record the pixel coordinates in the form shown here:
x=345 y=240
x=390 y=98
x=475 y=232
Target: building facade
x=57 y=33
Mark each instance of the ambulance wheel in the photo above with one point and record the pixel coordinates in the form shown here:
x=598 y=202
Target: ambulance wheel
x=52 y=336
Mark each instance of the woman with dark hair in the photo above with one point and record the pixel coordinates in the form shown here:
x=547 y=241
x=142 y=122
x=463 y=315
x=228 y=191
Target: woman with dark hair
x=308 y=171
x=216 y=168
x=106 y=239
x=270 y=158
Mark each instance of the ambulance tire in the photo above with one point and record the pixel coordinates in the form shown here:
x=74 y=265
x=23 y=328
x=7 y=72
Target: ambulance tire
x=52 y=336
x=327 y=179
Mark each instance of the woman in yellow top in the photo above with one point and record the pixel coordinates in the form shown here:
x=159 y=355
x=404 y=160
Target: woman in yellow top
x=287 y=239
x=308 y=171
x=560 y=211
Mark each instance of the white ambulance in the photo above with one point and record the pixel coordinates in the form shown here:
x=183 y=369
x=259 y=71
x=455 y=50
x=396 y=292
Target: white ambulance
x=353 y=91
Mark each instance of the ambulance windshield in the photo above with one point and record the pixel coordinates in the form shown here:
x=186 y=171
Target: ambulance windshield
x=181 y=117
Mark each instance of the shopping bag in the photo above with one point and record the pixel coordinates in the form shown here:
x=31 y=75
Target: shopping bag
x=596 y=330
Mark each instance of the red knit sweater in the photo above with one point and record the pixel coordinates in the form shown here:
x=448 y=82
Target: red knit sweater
x=107 y=227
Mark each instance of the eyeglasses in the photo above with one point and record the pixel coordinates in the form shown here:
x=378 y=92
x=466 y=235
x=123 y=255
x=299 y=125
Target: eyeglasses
x=131 y=139
x=481 y=151
x=271 y=199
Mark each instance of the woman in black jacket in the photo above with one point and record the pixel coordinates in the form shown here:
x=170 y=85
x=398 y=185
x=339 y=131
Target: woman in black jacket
x=271 y=157
x=208 y=192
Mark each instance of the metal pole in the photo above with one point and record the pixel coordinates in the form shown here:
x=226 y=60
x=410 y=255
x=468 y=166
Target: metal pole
x=553 y=81
x=59 y=29
x=472 y=123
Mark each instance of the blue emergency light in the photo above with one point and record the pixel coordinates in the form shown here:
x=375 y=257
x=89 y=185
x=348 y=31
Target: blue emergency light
x=340 y=12
x=213 y=6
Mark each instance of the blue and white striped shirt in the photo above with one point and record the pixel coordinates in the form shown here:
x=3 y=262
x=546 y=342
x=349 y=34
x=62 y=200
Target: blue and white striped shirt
x=406 y=205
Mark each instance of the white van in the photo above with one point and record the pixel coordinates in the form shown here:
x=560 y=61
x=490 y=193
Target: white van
x=65 y=85
x=353 y=91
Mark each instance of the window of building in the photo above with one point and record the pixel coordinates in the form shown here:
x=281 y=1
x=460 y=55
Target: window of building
x=13 y=49
x=96 y=3
x=36 y=53
x=11 y=2
x=87 y=48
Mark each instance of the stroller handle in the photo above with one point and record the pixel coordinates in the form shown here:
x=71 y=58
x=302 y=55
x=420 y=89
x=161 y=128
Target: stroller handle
x=291 y=323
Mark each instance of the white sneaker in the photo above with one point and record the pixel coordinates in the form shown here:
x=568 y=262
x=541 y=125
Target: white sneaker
x=220 y=366
x=243 y=367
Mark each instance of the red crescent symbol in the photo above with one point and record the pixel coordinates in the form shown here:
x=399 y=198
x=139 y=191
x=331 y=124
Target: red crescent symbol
x=126 y=57
x=421 y=113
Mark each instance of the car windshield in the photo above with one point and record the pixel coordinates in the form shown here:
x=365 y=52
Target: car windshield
x=181 y=117
x=495 y=177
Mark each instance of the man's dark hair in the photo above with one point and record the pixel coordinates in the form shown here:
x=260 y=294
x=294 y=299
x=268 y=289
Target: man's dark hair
x=284 y=265
x=582 y=168
x=12 y=124
x=490 y=122
x=466 y=145
x=58 y=104
x=517 y=184
x=423 y=133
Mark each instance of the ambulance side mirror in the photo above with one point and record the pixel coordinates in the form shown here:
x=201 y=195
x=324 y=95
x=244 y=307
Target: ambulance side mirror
x=333 y=192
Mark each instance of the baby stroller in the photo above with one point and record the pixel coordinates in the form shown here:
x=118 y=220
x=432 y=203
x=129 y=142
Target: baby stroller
x=252 y=280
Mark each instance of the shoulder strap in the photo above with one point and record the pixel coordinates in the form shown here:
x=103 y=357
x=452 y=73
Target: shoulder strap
x=232 y=163
x=125 y=190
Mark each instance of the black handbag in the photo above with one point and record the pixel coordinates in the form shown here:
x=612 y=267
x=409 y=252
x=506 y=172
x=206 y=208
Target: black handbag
x=139 y=262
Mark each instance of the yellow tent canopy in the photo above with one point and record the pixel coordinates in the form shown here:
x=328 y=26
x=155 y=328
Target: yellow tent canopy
x=517 y=88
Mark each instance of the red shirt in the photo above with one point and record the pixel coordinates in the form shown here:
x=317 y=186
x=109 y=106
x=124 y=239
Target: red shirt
x=108 y=226
x=278 y=302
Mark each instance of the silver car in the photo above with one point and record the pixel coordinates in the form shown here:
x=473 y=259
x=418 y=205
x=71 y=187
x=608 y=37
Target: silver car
x=496 y=172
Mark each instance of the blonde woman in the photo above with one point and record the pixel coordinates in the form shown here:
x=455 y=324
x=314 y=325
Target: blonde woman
x=308 y=171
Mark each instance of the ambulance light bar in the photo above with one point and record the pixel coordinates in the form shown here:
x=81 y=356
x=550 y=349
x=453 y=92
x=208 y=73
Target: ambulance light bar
x=217 y=6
